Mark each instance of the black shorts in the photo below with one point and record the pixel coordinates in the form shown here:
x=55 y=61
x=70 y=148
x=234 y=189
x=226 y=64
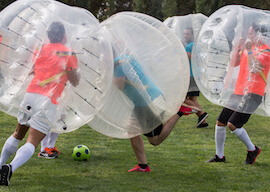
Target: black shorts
x=155 y=132
x=146 y=118
x=234 y=117
x=194 y=93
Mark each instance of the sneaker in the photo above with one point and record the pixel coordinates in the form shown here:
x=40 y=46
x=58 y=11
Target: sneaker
x=139 y=169
x=55 y=151
x=252 y=155
x=203 y=125
x=6 y=174
x=47 y=154
x=217 y=159
x=187 y=110
x=202 y=118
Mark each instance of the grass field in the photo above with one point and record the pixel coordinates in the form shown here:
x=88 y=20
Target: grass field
x=178 y=164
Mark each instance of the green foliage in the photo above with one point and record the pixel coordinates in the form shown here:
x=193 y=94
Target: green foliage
x=178 y=164
x=169 y=8
x=160 y=9
x=207 y=7
x=5 y=3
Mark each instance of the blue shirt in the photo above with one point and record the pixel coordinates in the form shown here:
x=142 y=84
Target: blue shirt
x=138 y=87
x=189 y=50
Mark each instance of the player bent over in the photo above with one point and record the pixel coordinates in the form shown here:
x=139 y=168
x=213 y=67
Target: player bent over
x=132 y=85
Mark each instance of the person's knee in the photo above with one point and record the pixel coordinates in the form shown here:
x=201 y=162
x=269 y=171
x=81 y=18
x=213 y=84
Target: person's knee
x=218 y=123
x=231 y=126
x=154 y=141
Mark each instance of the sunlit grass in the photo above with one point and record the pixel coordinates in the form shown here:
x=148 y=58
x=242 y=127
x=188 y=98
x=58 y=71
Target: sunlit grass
x=178 y=164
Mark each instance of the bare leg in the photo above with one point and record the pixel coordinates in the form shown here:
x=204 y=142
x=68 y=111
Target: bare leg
x=20 y=131
x=12 y=143
x=26 y=151
x=195 y=102
x=138 y=148
x=35 y=137
x=166 y=130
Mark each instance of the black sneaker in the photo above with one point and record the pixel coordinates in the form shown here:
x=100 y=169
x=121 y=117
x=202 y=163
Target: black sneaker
x=202 y=118
x=6 y=174
x=203 y=125
x=217 y=159
x=252 y=155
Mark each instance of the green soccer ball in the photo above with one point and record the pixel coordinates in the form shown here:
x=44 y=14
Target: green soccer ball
x=81 y=153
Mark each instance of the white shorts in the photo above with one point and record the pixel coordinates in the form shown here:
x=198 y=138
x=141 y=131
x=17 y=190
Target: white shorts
x=37 y=111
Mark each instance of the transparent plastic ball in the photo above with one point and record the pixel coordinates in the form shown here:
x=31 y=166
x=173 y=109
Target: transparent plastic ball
x=151 y=76
x=186 y=29
x=230 y=59
x=24 y=29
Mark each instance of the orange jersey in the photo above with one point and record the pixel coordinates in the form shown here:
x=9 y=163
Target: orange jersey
x=50 y=69
x=248 y=82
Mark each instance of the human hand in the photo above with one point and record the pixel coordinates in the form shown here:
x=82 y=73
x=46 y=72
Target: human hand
x=248 y=45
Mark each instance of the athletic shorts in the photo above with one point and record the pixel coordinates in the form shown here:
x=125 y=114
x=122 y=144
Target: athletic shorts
x=194 y=93
x=146 y=118
x=192 y=85
x=37 y=111
x=155 y=132
x=234 y=117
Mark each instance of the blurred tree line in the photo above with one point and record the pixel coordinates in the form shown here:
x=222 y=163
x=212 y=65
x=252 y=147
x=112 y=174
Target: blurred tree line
x=160 y=9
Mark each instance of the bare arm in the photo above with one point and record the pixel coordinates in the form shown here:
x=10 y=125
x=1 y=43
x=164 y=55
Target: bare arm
x=189 y=55
x=240 y=51
x=120 y=82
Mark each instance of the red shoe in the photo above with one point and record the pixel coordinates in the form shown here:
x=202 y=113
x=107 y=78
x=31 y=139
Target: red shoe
x=187 y=110
x=47 y=154
x=55 y=150
x=139 y=169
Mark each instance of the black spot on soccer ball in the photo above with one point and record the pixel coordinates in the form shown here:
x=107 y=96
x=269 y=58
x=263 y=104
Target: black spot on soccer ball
x=85 y=159
x=78 y=154
x=86 y=151
x=79 y=146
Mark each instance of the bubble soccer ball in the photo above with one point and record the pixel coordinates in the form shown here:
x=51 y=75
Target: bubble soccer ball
x=154 y=64
x=230 y=59
x=81 y=153
x=23 y=31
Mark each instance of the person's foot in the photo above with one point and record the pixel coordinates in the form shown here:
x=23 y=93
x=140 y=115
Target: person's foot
x=203 y=125
x=47 y=154
x=217 y=159
x=6 y=174
x=202 y=118
x=252 y=155
x=55 y=151
x=137 y=168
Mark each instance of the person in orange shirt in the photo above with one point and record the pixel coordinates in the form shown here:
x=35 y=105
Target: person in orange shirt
x=55 y=65
x=254 y=61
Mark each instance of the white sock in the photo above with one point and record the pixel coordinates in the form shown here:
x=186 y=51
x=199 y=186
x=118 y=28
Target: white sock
x=23 y=154
x=52 y=140
x=241 y=133
x=220 y=137
x=44 y=142
x=9 y=148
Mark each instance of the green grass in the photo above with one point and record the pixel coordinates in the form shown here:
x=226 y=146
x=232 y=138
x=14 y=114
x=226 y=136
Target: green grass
x=178 y=164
